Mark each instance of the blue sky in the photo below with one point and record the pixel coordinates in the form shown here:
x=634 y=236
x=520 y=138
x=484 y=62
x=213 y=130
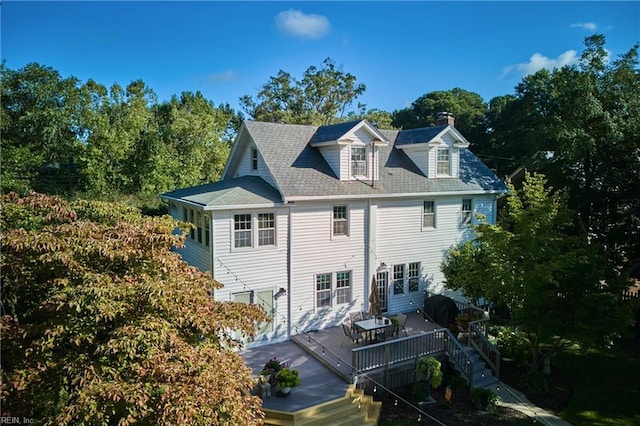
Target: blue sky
x=399 y=50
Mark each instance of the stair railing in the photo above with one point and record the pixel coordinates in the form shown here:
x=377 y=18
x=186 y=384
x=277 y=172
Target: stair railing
x=478 y=340
x=458 y=355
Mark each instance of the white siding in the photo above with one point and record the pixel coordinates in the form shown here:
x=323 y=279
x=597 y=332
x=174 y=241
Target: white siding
x=345 y=162
x=194 y=253
x=244 y=166
x=253 y=269
x=420 y=158
x=401 y=240
x=331 y=155
x=314 y=250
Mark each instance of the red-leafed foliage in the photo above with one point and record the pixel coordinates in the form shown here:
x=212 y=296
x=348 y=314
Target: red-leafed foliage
x=103 y=324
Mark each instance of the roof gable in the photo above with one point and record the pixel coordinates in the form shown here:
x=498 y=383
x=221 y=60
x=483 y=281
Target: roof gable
x=436 y=135
x=343 y=133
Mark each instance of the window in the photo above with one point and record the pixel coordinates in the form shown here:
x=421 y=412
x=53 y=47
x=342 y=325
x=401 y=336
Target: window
x=414 y=277
x=266 y=229
x=442 y=161
x=192 y=232
x=398 y=279
x=340 y=220
x=199 y=226
x=343 y=287
x=429 y=214
x=242 y=230
x=254 y=159
x=358 y=161
x=323 y=290
x=207 y=230
x=466 y=211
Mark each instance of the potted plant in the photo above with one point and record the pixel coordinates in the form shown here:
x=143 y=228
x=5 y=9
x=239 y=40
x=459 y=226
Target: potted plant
x=430 y=368
x=288 y=378
x=271 y=370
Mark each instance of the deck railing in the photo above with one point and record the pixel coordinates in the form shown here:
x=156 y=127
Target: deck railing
x=394 y=362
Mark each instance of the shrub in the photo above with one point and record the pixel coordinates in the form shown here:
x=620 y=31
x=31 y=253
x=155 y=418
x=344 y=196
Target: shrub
x=515 y=345
x=483 y=399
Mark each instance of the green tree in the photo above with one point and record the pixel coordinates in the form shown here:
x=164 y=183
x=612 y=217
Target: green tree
x=579 y=125
x=41 y=125
x=322 y=96
x=102 y=323
x=539 y=263
x=467 y=107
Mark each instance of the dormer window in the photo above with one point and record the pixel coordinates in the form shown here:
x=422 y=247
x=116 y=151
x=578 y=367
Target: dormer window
x=443 y=162
x=254 y=159
x=358 y=161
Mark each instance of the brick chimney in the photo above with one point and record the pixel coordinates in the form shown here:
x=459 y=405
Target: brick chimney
x=444 y=119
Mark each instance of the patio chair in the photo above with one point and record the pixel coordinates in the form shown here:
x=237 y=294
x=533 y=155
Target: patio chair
x=402 y=322
x=388 y=333
x=351 y=333
x=355 y=316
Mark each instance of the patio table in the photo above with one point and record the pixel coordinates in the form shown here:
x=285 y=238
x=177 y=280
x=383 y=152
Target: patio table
x=368 y=327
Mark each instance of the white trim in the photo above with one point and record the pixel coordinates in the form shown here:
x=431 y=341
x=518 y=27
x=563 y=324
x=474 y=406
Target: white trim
x=392 y=195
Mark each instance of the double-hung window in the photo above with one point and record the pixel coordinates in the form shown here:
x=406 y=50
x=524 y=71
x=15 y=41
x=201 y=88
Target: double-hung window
x=358 y=161
x=343 y=287
x=413 y=276
x=242 y=230
x=207 y=230
x=254 y=159
x=466 y=211
x=266 y=229
x=443 y=163
x=340 y=222
x=398 y=279
x=323 y=290
x=429 y=214
x=192 y=231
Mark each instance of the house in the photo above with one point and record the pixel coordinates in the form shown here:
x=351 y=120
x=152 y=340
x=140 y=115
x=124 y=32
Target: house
x=304 y=217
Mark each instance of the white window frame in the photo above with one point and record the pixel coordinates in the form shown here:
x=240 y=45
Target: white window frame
x=254 y=159
x=429 y=216
x=207 y=230
x=269 y=231
x=413 y=276
x=466 y=211
x=398 y=279
x=321 y=279
x=360 y=164
x=238 y=231
x=335 y=221
x=192 y=231
x=343 y=287
x=442 y=164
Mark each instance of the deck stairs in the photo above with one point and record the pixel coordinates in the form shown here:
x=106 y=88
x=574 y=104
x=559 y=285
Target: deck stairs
x=355 y=408
x=482 y=375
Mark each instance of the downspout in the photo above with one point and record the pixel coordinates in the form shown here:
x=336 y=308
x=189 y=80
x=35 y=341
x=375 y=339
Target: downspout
x=289 y=316
x=367 y=255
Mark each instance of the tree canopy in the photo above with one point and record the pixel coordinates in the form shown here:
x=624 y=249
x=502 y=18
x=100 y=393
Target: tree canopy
x=62 y=136
x=468 y=108
x=103 y=324
x=322 y=96
x=539 y=263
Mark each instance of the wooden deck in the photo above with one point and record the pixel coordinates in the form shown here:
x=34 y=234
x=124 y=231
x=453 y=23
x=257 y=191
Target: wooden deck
x=346 y=358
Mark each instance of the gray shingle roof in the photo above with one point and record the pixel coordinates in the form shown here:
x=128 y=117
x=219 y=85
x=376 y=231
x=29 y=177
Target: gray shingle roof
x=425 y=134
x=300 y=171
x=245 y=190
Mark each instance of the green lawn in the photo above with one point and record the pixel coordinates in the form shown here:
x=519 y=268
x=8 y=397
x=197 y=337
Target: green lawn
x=606 y=388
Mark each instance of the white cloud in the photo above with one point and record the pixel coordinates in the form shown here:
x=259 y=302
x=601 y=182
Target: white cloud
x=589 y=26
x=537 y=61
x=222 y=77
x=297 y=24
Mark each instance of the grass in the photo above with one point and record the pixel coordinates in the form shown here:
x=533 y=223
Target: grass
x=605 y=386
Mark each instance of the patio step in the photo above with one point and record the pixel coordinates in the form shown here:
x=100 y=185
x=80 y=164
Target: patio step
x=482 y=375
x=355 y=408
